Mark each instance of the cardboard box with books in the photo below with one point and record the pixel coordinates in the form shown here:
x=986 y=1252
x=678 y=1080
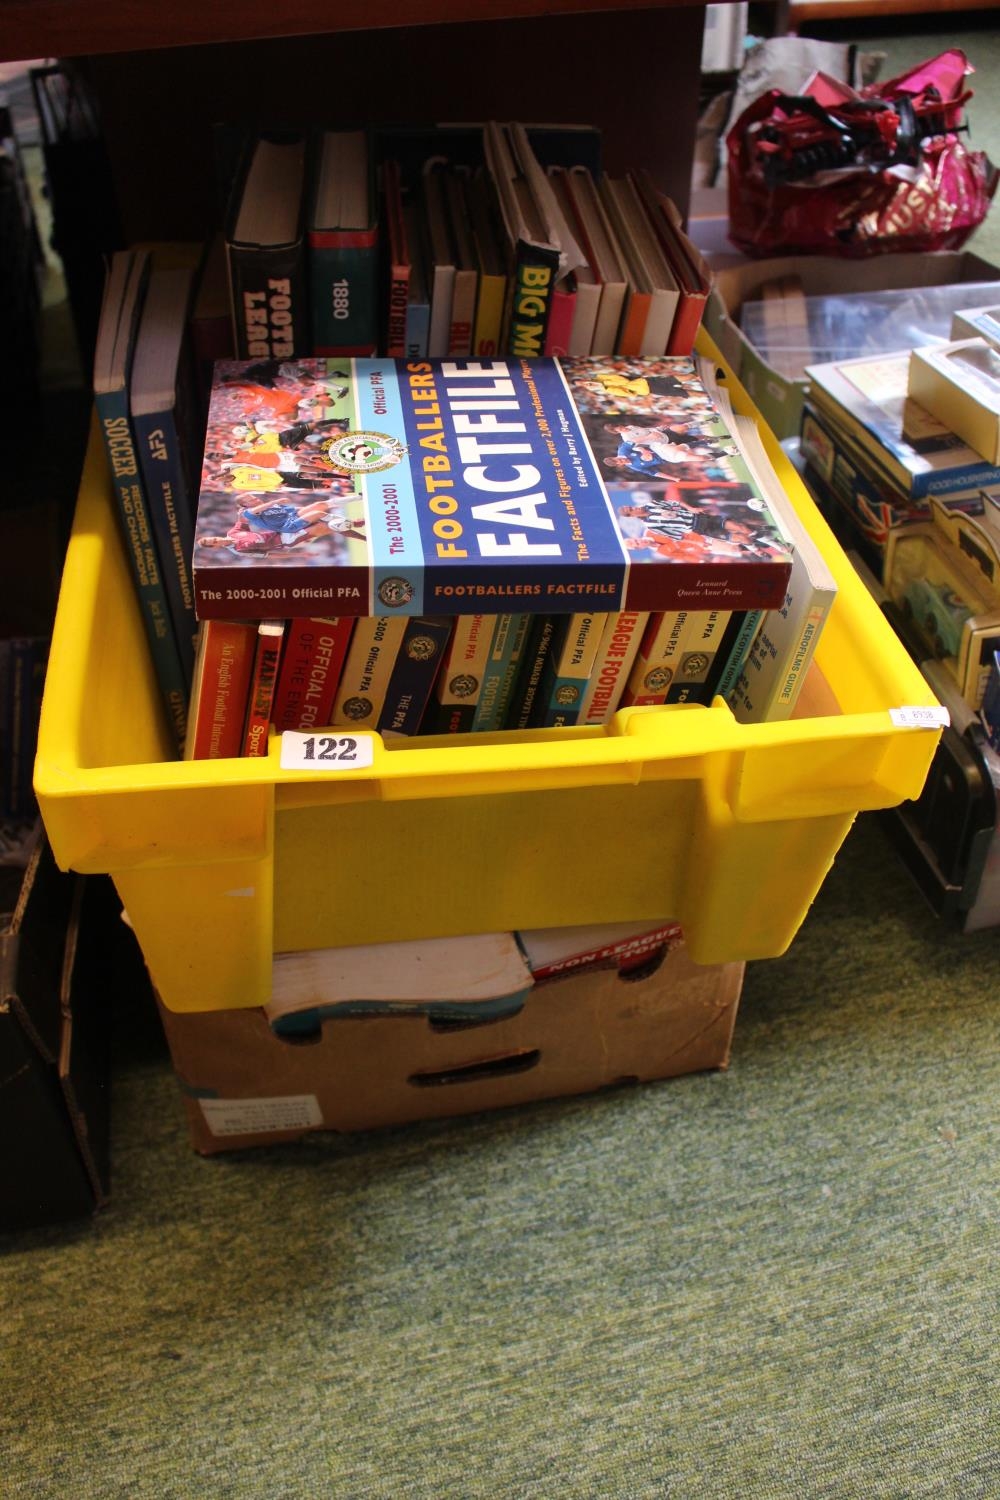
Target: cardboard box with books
x=599 y=1018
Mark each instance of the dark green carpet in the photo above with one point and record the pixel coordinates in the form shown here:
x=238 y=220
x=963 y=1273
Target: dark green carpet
x=780 y=1280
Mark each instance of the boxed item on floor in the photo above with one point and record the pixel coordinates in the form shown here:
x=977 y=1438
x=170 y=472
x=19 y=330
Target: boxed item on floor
x=63 y=953
x=779 y=396
x=246 y=1085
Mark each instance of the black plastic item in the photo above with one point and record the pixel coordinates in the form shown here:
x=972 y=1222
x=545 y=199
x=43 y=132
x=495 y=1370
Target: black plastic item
x=944 y=836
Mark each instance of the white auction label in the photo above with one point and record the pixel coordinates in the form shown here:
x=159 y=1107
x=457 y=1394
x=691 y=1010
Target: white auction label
x=333 y=751
x=920 y=718
x=261 y=1116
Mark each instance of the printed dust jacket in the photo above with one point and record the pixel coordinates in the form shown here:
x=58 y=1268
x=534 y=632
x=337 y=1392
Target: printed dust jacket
x=364 y=487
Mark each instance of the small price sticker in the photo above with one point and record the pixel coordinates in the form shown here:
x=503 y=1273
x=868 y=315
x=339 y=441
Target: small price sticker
x=920 y=718
x=326 y=752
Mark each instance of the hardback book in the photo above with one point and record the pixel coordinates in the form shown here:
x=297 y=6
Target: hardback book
x=768 y=687
x=440 y=256
x=367 y=669
x=583 y=297
x=484 y=218
x=618 y=648
x=959 y=383
x=916 y=453
x=691 y=270
x=265 y=247
x=342 y=246
x=220 y=691
x=541 y=252
x=457 y=487
x=501 y=671
x=568 y=669
x=623 y=945
x=397 y=268
x=113 y=357
x=452 y=708
x=453 y=976
x=604 y=258
x=311 y=663
x=418 y=303
x=465 y=291
x=163 y=407
x=654 y=294
x=260 y=699
x=411 y=681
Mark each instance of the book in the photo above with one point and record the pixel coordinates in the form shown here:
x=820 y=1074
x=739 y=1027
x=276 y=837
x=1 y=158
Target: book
x=221 y=689
x=690 y=269
x=910 y=448
x=675 y=657
x=397 y=269
x=418 y=661
x=113 y=356
x=418 y=304
x=265 y=248
x=653 y=291
x=311 y=663
x=584 y=297
x=501 y=671
x=466 y=285
x=163 y=411
x=557 y=950
x=959 y=383
x=462 y=486
x=342 y=246
x=211 y=319
x=440 y=256
x=459 y=683
x=260 y=698
x=451 y=976
x=768 y=687
x=570 y=662
x=537 y=649
x=484 y=218
x=367 y=669
x=619 y=645
x=603 y=257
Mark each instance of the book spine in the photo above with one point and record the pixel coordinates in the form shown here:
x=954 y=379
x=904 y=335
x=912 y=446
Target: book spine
x=619 y=645
x=633 y=326
x=676 y=657
x=560 y=329
x=532 y=285
x=417 y=664
x=397 y=312
x=112 y=410
x=223 y=667
x=779 y=657
x=311 y=664
x=418 y=327
x=260 y=699
x=749 y=625
x=343 y=291
x=568 y=670
x=500 y=677
x=623 y=954
x=163 y=475
x=460 y=680
x=463 y=314
x=489 y=316
x=367 y=669
x=538 y=647
x=269 y=302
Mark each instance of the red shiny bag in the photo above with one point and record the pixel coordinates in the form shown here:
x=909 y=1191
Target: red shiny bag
x=835 y=172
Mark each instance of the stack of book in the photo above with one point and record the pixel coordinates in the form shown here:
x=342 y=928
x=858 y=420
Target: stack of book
x=455 y=241
x=476 y=545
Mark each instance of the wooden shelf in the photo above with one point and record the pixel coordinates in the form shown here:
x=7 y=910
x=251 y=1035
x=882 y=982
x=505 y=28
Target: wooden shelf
x=76 y=28
x=802 y=11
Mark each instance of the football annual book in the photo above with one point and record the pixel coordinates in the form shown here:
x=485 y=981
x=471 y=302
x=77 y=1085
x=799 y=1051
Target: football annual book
x=365 y=487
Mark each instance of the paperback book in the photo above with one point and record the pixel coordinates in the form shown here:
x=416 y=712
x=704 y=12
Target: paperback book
x=450 y=487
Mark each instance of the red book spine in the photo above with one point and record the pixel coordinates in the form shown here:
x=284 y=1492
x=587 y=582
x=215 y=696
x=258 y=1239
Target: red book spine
x=310 y=672
x=560 y=327
x=262 y=680
x=221 y=686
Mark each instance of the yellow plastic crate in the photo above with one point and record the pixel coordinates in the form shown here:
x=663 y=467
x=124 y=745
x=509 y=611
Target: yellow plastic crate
x=677 y=812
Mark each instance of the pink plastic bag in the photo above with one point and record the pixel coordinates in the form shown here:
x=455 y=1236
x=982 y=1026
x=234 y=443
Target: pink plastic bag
x=835 y=172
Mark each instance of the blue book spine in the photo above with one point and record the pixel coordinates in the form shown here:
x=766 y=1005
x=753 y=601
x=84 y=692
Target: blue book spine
x=418 y=327
x=137 y=530
x=412 y=681
x=158 y=445
x=739 y=653
x=500 y=677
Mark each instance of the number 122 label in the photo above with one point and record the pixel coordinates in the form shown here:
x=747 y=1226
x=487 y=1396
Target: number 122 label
x=326 y=752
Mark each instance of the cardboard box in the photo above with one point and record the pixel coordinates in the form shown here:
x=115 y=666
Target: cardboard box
x=63 y=953
x=777 y=397
x=245 y=1086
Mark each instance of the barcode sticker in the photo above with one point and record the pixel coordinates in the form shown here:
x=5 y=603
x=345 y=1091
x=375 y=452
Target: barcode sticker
x=261 y=1116
x=326 y=752
x=920 y=718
